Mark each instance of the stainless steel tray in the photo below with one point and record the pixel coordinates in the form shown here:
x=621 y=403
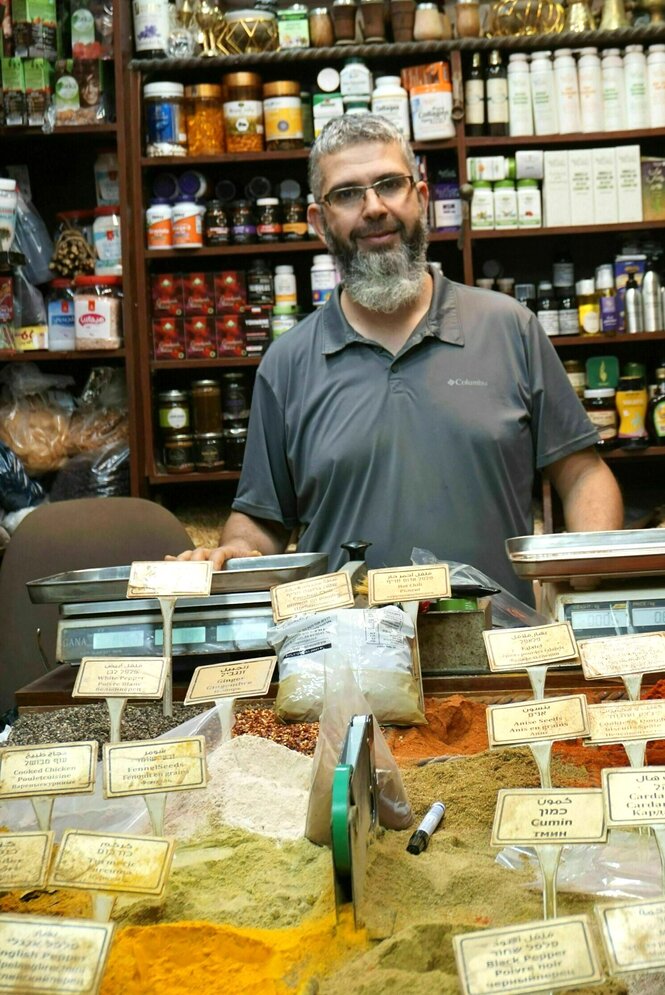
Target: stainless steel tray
x=626 y=553
x=251 y=573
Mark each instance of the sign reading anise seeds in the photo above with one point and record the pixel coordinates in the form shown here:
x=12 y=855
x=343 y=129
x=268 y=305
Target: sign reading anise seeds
x=515 y=649
x=97 y=862
x=170 y=578
x=636 y=653
x=24 y=860
x=390 y=585
x=633 y=934
x=120 y=677
x=547 y=719
x=236 y=679
x=314 y=594
x=53 y=769
x=48 y=956
x=151 y=766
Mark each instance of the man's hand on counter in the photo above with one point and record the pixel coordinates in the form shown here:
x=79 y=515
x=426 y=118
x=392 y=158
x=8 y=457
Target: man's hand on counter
x=219 y=555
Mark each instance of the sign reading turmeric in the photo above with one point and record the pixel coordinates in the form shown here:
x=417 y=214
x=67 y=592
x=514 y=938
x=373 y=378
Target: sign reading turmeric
x=98 y=862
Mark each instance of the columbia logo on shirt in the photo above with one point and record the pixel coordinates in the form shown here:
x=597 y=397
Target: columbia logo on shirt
x=463 y=382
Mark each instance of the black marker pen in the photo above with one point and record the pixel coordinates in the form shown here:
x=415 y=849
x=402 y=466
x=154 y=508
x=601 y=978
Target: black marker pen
x=420 y=838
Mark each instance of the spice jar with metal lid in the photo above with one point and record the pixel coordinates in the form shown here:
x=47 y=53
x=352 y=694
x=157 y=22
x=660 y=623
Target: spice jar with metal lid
x=235 y=438
x=344 y=20
x=206 y=406
x=576 y=374
x=600 y=405
x=294 y=220
x=282 y=115
x=216 y=227
x=268 y=219
x=172 y=411
x=243 y=222
x=204 y=119
x=178 y=453
x=321 y=32
x=209 y=451
x=243 y=112
x=235 y=397
x=427 y=25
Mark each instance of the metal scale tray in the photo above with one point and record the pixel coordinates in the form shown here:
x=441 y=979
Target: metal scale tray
x=627 y=553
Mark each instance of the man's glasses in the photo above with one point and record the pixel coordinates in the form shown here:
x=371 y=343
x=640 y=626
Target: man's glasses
x=390 y=189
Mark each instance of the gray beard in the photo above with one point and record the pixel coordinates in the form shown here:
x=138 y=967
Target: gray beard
x=386 y=279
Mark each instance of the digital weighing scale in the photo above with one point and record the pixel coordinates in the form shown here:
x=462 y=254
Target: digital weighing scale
x=603 y=583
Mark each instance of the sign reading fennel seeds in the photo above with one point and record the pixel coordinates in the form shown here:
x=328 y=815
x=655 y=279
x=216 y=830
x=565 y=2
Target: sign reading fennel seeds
x=532 y=646
x=632 y=935
x=634 y=796
x=623 y=721
x=314 y=594
x=390 y=585
x=636 y=653
x=52 y=769
x=48 y=956
x=536 y=816
x=24 y=859
x=120 y=677
x=169 y=579
x=151 y=766
x=236 y=679
x=547 y=719
x=97 y=862
x=536 y=957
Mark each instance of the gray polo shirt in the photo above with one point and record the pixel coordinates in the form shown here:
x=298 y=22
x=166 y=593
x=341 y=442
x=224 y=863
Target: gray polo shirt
x=435 y=447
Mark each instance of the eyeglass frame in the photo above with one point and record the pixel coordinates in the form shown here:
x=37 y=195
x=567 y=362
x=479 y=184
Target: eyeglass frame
x=325 y=199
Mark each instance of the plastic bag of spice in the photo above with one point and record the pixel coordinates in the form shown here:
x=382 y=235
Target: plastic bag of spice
x=35 y=415
x=342 y=700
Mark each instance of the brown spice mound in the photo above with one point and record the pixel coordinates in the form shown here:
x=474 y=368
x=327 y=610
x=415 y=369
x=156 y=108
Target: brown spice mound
x=299 y=736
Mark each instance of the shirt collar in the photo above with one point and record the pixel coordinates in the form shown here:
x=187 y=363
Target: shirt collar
x=442 y=320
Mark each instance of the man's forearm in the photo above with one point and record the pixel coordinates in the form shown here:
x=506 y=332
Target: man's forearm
x=255 y=534
x=589 y=493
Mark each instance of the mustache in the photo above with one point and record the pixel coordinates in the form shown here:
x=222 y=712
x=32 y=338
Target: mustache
x=369 y=230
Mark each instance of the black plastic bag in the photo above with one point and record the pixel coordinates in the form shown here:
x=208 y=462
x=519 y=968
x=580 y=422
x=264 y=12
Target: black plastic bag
x=17 y=490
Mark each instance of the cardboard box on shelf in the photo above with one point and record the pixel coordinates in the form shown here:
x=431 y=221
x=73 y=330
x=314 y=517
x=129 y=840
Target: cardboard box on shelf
x=13 y=92
x=605 y=201
x=34 y=28
x=92 y=29
x=629 y=183
x=653 y=188
x=38 y=89
x=200 y=337
x=198 y=291
x=168 y=338
x=230 y=338
x=580 y=173
x=78 y=94
x=167 y=295
x=230 y=289
x=556 y=189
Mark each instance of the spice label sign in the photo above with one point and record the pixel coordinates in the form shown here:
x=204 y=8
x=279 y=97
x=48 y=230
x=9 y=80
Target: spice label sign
x=47 y=956
x=616 y=656
x=238 y=679
x=98 y=862
x=634 y=796
x=623 y=721
x=170 y=578
x=150 y=766
x=564 y=717
x=515 y=649
x=24 y=859
x=536 y=957
x=533 y=816
x=633 y=935
x=316 y=594
x=120 y=677
x=52 y=769
x=390 y=585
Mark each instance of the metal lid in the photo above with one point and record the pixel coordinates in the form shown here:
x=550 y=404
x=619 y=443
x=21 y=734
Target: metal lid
x=204 y=383
x=281 y=88
x=204 y=90
x=172 y=395
x=242 y=79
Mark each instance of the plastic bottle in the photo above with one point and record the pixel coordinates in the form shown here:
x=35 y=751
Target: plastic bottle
x=607 y=301
x=543 y=94
x=285 y=285
x=634 y=312
x=632 y=402
x=588 y=308
x=520 y=111
x=547 y=308
x=151 y=28
x=505 y=204
x=591 y=91
x=496 y=89
x=614 y=91
x=656 y=80
x=563 y=272
x=390 y=100
x=529 y=205
x=324 y=278
x=474 y=97
x=637 y=94
x=567 y=91
x=656 y=410
x=568 y=315
x=652 y=305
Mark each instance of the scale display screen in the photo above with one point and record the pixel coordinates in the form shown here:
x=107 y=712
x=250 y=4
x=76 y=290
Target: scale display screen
x=591 y=619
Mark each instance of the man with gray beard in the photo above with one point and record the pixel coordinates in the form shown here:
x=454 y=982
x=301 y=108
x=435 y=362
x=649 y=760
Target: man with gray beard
x=409 y=411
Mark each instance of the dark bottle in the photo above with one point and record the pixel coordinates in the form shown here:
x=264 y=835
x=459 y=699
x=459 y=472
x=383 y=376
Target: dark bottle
x=496 y=89
x=260 y=289
x=656 y=410
x=474 y=97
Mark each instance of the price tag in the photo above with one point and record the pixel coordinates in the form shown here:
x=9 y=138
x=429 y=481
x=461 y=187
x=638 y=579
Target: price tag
x=515 y=649
x=97 y=862
x=634 y=797
x=395 y=584
x=621 y=721
x=236 y=679
x=315 y=594
x=48 y=956
x=24 y=860
x=170 y=578
x=632 y=654
x=53 y=769
x=536 y=816
x=536 y=957
x=150 y=766
x=632 y=935
x=120 y=677
x=550 y=719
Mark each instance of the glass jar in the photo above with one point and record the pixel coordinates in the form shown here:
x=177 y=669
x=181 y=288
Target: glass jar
x=282 y=116
x=344 y=21
x=268 y=219
x=600 y=405
x=204 y=119
x=60 y=316
x=576 y=373
x=235 y=397
x=206 y=398
x=467 y=18
x=209 y=451
x=294 y=222
x=165 y=119
x=172 y=412
x=235 y=438
x=632 y=401
x=243 y=112
x=216 y=228
x=321 y=31
x=178 y=453
x=249 y=30
x=98 y=312
x=243 y=222
x=293 y=26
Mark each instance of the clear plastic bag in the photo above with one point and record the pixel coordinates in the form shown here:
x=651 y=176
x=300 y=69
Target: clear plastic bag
x=33 y=240
x=29 y=306
x=35 y=413
x=342 y=700
x=99 y=420
x=103 y=472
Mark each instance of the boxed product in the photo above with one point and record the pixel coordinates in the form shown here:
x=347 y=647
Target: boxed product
x=556 y=190
x=6 y=299
x=580 y=172
x=605 y=202
x=168 y=338
x=629 y=183
x=325 y=107
x=230 y=341
x=198 y=293
x=34 y=28
x=31 y=337
x=79 y=91
x=200 y=337
x=431 y=74
x=13 y=91
x=256 y=328
x=167 y=295
x=230 y=289
x=38 y=89
x=91 y=25
x=529 y=164
x=653 y=188
x=488 y=167
x=445 y=206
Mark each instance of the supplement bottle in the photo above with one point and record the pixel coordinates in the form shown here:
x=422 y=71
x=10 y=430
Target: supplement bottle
x=529 y=209
x=543 y=94
x=324 y=279
x=243 y=112
x=637 y=95
x=282 y=116
x=159 y=224
x=165 y=119
x=567 y=91
x=187 y=225
x=547 y=308
x=520 y=111
x=633 y=309
x=568 y=315
x=600 y=405
x=588 y=308
x=591 y=90
x=60 y=316
x=655 y=411
x=505 y=204
x=474 y=97
x=607 y=300
x=260 y=288
x=390 y=100
x=268 y=219
x=632 y=402
x=614 y=91
x=204 y=119
x=656 y=81
x=285 y=285
x=216 y=227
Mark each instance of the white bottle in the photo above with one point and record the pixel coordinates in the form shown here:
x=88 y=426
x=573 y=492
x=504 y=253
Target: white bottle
x=285 y=285
x=591 y=91
x=567 y=91
x=614 y=90
x=637 y=96
x=656 y=79
x=390 y=100
x=520 y=110
x=543 y=94
x=324 y=279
